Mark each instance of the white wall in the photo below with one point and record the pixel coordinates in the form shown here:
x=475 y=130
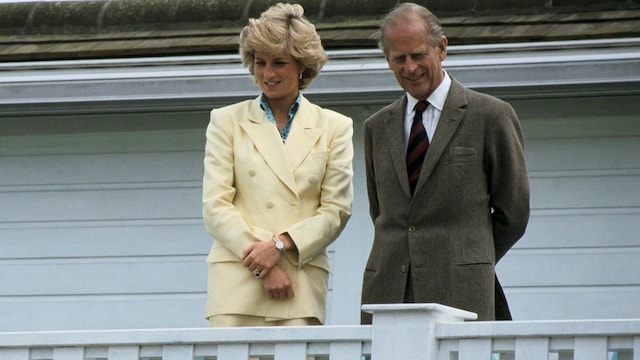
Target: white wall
x=580 y=257
x=101 y=166
x=101 y=229
x=100 y=219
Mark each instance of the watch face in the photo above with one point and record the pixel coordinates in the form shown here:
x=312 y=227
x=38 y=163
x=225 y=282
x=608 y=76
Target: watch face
x=279 y=244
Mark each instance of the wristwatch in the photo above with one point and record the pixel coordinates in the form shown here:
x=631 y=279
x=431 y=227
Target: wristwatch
x=279 y=244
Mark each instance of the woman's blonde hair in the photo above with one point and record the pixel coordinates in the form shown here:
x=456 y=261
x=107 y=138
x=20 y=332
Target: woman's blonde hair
x=284 y=27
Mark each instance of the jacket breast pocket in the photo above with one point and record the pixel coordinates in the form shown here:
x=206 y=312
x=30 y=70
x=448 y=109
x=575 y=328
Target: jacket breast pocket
x=320 y=155
x=461 y=155
x=313 y=167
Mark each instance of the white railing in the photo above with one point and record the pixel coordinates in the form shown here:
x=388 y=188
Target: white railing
x=399 y=332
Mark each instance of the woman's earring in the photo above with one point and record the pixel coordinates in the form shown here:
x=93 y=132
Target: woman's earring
x=300 y=75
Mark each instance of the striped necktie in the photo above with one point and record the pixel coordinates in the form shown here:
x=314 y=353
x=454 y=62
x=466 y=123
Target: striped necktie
x=417 y=147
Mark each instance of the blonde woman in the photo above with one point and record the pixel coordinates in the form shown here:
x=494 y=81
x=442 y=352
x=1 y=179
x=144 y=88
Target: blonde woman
x=277 y=187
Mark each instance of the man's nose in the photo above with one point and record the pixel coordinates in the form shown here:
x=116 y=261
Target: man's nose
x=410 y=65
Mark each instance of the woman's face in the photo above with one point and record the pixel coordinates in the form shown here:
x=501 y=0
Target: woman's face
x=277 y=74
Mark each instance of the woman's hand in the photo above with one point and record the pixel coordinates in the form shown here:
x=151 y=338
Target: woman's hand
x=277 y=284
x=260 y=257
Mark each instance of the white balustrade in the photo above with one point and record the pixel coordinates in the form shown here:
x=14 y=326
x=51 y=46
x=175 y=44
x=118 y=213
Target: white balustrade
x=399 y=332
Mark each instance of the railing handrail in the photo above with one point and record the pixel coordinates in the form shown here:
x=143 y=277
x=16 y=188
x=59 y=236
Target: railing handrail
x=545 y=328
x=399 y=331
x=194 y=336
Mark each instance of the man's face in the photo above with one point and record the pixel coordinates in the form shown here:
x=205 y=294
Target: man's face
x=415 y=62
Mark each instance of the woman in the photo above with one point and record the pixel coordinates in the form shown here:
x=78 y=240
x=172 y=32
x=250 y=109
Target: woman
x=277 y=187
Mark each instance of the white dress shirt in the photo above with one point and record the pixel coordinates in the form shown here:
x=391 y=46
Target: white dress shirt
x=431 y=115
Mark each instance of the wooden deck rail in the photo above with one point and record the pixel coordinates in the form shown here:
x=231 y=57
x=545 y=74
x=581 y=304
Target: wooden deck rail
x=399 y=332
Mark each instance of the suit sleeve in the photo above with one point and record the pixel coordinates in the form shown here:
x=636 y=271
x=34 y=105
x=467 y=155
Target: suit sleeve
x=509 y=182
x=222 y=219
x=374 y=209
x=314 y=234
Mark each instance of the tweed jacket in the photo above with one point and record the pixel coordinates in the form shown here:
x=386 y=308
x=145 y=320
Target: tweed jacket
x=255 y=186
x=471 y=204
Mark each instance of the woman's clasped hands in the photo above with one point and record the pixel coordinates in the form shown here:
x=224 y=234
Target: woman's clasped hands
x=261 y=259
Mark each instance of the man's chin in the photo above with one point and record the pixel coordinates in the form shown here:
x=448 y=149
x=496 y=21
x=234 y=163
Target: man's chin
x=416 y=93
x=414 y=87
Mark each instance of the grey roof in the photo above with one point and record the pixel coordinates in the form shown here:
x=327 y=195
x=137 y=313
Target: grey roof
x=124 y=28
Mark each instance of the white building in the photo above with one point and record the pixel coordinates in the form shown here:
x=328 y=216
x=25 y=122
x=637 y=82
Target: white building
x=101 y=164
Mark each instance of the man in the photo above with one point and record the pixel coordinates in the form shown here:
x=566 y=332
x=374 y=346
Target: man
x=437 y=240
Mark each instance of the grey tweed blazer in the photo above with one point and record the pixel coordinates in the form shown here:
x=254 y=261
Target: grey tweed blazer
x=470 y=206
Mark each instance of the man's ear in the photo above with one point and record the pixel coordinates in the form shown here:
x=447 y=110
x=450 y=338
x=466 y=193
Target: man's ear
x=442 y=48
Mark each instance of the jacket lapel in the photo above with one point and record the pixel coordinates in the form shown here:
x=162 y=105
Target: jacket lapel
x=450 y=118
x=394 y=125
x=266 y=139
x=303 y=135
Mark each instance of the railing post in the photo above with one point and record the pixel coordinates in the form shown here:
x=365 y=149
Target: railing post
x=407 y=331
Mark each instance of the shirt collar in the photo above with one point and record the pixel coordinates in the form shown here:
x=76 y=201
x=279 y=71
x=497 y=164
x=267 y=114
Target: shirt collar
x=264 y=105
x=437 y=97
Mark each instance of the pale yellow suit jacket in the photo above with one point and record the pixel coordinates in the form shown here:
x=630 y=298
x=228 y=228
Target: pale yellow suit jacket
x=255 y=186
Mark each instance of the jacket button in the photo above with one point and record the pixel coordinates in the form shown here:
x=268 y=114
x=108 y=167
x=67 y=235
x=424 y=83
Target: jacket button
x=412 y=229
x=252 y=173
x=404 y=268
x=269 y=205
